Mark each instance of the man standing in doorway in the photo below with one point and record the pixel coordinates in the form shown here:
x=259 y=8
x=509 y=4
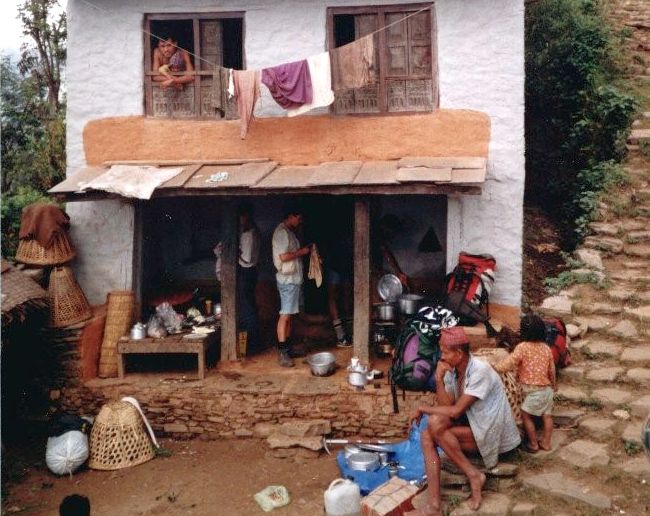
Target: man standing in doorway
x=249 y=251
x=287 y=258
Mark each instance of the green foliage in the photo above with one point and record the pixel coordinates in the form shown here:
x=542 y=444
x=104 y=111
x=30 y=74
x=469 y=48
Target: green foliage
x=567 y=278
x=576 y=117
x=11 y=209
x=632 y=447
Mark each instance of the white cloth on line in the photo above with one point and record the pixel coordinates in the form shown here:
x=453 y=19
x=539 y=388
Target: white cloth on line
x=131 y=180
x=321 y=83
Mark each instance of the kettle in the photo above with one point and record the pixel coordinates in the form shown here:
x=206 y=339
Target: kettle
x=342 y=497
x=358 y=375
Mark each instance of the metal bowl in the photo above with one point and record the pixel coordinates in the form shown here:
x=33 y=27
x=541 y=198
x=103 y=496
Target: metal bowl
x=322 y=364
x=389 y=287
x=409 y=304
x=364 y=461
x=386 y=311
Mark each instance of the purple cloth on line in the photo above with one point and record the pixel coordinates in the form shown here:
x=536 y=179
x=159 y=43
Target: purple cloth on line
x=289 y=83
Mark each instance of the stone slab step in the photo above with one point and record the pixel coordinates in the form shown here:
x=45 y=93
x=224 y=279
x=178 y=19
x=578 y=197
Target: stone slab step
x=637 y=135
x=566 y=488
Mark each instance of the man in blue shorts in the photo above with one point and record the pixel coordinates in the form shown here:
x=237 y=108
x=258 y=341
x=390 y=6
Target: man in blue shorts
x=287 y=258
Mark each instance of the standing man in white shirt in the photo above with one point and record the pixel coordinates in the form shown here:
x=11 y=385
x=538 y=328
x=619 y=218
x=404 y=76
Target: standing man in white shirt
x=287 y=258
x=249 y=252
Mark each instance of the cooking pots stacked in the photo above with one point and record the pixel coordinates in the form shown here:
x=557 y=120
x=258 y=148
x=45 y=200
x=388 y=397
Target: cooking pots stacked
x=390 y=289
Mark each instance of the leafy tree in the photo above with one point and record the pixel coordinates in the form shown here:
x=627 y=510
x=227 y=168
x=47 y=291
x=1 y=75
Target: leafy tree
x=577 y=117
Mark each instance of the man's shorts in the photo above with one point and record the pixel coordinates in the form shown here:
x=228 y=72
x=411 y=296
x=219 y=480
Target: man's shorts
x=289 y=298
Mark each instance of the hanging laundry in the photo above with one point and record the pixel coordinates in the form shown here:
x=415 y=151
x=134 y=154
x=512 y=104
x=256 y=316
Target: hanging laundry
x=315 y=266
x=353 y=65
x=220 y=76
x=321 y=83
x=247 y=91
x=289 y=83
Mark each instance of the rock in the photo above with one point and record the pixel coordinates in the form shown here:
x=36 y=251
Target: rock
x=243 y=432
x=306 y=428
x=604 y=348
x=572 y=372
x=304 y=453
x=596 y=308
x=264 y=429
x=638 y=236
x=611 y=396
x=174 y=428
x=604 y=228
x=556 y=484
x=286 y=441
x=283 y=453
x=642 y=251
x=639 y=375
x=584 y=454
x=494 y=504
x=638 y=467
x=504 y=470
x=523 y=509
x=605 y=243
x=567 y=418
x=448 y=479
x=641 y=313
x=590 y=257
x=638 y=134
x=598 y=427
x=641 y=406
x=636 y=355
x=604 y=374
x=620 y=294
x=571 y=393
x=624 y=329
x=621 y=414
x=594 y=323
x=573 y=331
x=557 y=306
x=632 y=433
x=633 y=276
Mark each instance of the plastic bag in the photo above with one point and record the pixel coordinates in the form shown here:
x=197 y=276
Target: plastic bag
x=171 y=320
x=272 y=497
x=156 y=328
x=65 y=453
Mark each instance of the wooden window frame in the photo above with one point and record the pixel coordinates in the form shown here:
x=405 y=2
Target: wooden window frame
x=148 y=56
x=381 y=11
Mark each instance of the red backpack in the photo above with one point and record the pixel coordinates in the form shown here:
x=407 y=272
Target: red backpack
x=556 y=339
x=468 y=289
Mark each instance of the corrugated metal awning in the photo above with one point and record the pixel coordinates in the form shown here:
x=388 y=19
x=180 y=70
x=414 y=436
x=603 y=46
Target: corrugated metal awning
x=408 y=175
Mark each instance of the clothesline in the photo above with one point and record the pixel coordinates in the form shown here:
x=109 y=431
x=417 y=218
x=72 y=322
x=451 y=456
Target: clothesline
x=159 y=38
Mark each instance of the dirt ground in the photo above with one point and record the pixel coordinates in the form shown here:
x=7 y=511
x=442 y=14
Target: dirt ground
x=211 y=478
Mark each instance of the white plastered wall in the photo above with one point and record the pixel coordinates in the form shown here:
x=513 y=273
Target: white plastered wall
x=480 y=57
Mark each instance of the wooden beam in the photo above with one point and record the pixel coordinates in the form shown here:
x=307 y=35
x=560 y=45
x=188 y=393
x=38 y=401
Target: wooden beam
x=229 y=256
x=362 y=279
x=177 y=162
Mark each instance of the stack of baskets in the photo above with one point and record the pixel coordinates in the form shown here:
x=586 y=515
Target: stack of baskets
x=119 y=317
x=119 y=438
x=68 y=304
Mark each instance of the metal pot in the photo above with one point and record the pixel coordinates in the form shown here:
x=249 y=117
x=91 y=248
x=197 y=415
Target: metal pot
x=350 y=449
x=138 y=332
x=364 y=461
x=359 y=378
x=322 y=364
x=409 y=304
x=385 y=311
x=384 y=348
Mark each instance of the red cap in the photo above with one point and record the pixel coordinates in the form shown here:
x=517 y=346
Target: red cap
x=452 y=337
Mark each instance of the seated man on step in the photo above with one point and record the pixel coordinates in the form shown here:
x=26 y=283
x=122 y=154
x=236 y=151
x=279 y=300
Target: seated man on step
x=473 y=414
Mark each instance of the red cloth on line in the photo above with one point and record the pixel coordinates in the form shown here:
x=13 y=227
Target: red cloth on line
x=43 y=222
x=289 y=83
x=247 y=91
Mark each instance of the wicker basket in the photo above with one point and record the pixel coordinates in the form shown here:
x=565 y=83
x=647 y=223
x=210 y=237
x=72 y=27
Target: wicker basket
x=119 y=318
x=119 y=438
x=68 y=303
x=31 y=252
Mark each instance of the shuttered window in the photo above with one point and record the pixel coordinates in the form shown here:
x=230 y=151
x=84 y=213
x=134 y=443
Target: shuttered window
x=211 y=39
x=405 y=58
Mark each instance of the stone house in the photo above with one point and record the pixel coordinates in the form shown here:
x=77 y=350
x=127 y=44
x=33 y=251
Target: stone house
x=438 y=140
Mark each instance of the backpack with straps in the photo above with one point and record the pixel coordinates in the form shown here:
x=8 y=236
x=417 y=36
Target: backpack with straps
x=468 y=289
x=556 y=338
x=417 y=352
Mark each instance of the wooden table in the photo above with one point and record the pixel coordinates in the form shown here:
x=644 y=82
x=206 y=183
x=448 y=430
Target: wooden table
x=196 y=344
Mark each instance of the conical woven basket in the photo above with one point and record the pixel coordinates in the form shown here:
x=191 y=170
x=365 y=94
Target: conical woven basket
x=119 y=318
x=119 y=438
x=33 y=253
x=68 y=303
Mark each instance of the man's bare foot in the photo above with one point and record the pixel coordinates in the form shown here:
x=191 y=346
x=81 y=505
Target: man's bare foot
x=476 y=484
x=427 y=510
x=545 y=446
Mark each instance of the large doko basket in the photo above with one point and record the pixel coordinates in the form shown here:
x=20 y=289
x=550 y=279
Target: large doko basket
x=31 y=252
x=509 y=379
x=119 y=317
x=68 y=303
x=119 y=438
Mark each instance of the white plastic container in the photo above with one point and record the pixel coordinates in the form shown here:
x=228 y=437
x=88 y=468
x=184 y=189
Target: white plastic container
x=343 y=498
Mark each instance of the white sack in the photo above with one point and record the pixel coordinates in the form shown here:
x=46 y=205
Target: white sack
x=65 y=453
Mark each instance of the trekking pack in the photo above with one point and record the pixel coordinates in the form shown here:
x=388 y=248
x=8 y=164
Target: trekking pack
x=468 y=289
x=417 y=352
x=556 y=338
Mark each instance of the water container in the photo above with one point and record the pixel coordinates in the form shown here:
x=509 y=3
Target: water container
x=342 y=498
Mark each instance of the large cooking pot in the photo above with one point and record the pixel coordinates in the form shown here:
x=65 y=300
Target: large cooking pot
x=322 y=364
x=385 y=311
x=364 y=461
x=409 y=304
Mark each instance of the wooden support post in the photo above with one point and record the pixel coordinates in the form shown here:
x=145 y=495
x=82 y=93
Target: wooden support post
x=229 y=255
x=362 y=279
